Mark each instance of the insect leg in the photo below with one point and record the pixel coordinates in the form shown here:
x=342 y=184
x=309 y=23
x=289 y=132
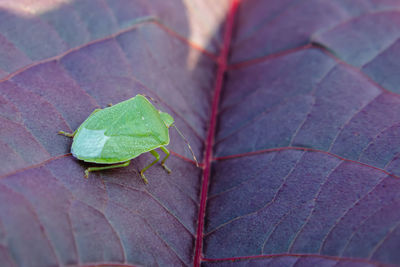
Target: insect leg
x=71 y=135
x=157 y=156
x=91 y=169
x=166 y=151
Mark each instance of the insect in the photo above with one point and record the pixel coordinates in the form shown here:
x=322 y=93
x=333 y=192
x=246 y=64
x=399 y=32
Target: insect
x=119 y=133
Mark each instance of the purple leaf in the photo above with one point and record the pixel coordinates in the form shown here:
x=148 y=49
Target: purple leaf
x=292 y=107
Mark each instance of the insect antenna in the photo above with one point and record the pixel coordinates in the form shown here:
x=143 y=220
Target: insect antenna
x=179 y=132
x=188 y=145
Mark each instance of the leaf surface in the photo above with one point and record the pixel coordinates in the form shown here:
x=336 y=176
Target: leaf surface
x=292 y=107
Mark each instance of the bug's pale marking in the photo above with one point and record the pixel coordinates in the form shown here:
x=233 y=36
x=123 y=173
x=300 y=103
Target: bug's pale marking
x=91 y=142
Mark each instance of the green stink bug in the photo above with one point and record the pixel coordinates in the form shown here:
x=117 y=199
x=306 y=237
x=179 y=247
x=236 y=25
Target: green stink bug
x=122 y=132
